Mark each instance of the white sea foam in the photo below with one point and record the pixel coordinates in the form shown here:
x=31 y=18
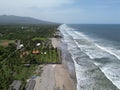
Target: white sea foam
x=87 y=45
x=94 y=51
x=110 y=50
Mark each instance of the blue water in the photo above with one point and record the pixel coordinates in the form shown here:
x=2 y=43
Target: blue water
x=109 y=33
x=95 y=50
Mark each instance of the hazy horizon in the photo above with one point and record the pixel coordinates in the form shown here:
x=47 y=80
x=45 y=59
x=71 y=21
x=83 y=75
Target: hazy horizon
x=65 y=11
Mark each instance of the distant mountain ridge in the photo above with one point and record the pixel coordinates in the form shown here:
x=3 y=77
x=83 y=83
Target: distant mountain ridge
x=11 y=19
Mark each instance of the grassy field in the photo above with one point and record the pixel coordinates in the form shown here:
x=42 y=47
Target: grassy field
x=25 y=72
x=9 y=41
x=6 y=42
x=51 y=56
x=38 y=38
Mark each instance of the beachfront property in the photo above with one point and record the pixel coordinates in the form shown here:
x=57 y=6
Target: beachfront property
x=19 y=45
x=30 y=85
x=15 y=85
x=35 y=52
x=38 y=44
x=25 y=55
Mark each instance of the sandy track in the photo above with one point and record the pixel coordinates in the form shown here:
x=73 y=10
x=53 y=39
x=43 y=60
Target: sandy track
x=55 y=42
x=63 y=80
x=54 y=77
x=47 y=79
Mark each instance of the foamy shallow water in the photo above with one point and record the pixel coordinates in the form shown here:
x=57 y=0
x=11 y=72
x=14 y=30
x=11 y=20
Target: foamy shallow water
x=96 y=68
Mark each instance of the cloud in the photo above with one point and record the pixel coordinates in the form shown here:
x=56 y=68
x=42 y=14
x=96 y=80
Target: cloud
x=66 y=11
x=42 y=9
x=33 y=3
x=63 y=15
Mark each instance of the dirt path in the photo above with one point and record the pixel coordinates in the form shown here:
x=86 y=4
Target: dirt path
x=63 y=80
x=47 y=79
x=54 y=77
x=55 y=42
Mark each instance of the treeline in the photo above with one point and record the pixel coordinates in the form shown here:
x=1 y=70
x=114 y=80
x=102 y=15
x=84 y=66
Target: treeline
x=26 y=32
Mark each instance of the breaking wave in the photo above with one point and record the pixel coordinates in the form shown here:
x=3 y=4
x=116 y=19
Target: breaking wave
x=97 y=67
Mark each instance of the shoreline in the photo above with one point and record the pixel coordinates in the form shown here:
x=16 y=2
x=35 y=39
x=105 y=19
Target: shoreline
x=56 y=76
x=67 y=61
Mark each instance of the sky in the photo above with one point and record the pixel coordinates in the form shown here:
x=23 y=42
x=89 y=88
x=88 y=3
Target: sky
x=65 y=11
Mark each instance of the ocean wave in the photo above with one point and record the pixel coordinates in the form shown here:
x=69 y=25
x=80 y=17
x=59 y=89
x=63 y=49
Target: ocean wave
x=102 y=57
x=110 y=50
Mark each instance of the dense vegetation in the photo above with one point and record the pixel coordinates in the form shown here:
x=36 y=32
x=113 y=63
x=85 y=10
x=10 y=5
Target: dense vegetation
x=14 y=63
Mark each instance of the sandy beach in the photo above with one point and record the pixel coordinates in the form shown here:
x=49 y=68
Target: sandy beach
x=47 y=79
x=63 y=79
x=55 y=42
x=55 y=76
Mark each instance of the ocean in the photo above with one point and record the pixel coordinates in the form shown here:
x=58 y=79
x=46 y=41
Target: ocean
x=95 y=51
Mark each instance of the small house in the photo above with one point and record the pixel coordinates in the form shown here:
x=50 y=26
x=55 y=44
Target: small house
x=23 y=54
x=30 y=85
x=15 y=85
x=38 y=44
x=35 y=52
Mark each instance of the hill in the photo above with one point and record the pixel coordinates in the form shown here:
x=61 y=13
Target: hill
x=11 y=19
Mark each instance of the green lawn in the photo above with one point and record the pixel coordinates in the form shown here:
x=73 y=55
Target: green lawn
x=38 y=38
x=9 y=41
x=25 y=72
x=51 y=56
